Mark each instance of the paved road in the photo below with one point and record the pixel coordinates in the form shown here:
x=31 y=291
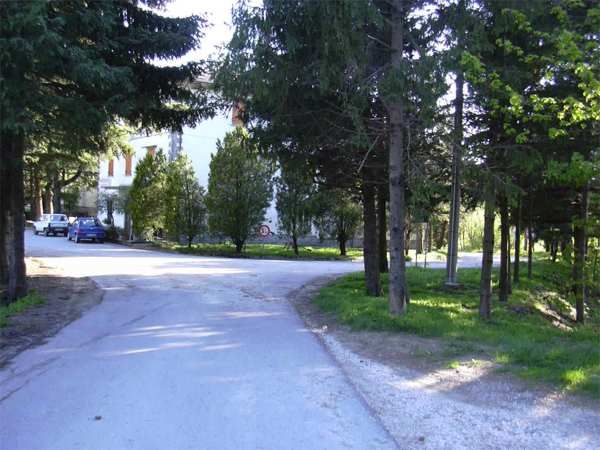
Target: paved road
x=183 y=353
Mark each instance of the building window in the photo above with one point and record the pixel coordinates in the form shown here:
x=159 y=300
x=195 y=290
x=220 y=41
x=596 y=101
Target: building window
x=111 y=167
x=128 y=165
x=151 y=150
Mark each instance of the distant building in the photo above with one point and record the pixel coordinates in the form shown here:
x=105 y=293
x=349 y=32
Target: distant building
x=198 y=143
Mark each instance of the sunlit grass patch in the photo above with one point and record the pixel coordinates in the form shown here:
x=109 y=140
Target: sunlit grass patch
x=263 y=251
x=518 y=336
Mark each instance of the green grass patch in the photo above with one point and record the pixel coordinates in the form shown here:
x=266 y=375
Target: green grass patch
x=518 y=336
x=23 y=304
x=453 y=364
x=273 y=251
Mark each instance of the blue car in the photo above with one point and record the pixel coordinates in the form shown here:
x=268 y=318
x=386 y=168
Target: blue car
x=87 y=228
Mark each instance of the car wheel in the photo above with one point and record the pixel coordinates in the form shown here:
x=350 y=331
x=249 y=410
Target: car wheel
x=35 y=232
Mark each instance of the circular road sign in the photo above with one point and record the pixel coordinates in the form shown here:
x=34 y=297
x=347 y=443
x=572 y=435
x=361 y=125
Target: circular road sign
x=264 y=230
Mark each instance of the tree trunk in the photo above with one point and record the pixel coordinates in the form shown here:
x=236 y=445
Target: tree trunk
x=295 y=244
x=398 y=296
x=485 y=290
x=37 y=195
x=439 y=240
x=239 y=246
x=13 y=221
x=530 y=238
x=504 y=258
x=508 y=264
x=56 y=193
x=370 y=250
x=517 y=241
x=59 y=184
x=454 y=222
x=4 y=188
x=49 y=201
x=382 y=229
x=580 y=238
x=342 y=244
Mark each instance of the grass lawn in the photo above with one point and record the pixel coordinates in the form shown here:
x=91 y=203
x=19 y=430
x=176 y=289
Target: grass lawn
x=29 y=301
x=518 y=337
x=262 y=251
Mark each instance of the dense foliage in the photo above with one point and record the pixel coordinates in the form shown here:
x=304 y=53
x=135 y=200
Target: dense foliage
x=295 y=198
x=72 y=69
x=146 y=204
x=417 y=105
x=240 y=188
x=185 y=209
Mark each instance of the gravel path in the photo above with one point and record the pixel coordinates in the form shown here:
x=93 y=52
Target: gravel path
x=421 y=414
x=424 y=406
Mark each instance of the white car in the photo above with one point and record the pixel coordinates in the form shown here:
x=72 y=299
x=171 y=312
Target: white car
x=51 y=224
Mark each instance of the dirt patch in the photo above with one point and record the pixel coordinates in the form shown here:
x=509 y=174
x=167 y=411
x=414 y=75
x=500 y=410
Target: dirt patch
x=427 y=403
x=66 y=298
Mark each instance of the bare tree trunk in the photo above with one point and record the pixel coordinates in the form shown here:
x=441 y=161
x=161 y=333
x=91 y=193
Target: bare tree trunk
x=454 y=222
x=239 y=246
x=508 y=264
x=530 y=237
x=37 y=203
x=49 y=201
x=295 y=244
x=13 y=222
x=58 y=184
x=56 y=193
x=485 y=291
x=4 y=189
x=504 y=259
x=398 y=296
x=580 y=238
x=517 y=241
x=370 y=248
x=382 y=229
x=408 y=230
x=439 y=239
x=342 y=244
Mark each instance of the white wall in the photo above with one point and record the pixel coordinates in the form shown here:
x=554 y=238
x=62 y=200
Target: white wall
x=198 y=143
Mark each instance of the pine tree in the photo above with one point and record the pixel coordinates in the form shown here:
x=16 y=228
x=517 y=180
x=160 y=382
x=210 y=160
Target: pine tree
x=239 y=188
x=294 y=197
x=146 y=204
x=185 y=209
x=78 y=66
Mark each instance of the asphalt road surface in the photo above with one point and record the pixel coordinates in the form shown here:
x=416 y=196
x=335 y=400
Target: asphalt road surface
x=183 y=353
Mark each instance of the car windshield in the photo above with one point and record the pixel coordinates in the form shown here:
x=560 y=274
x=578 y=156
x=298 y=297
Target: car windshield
x=88 y=223
x=58 y=218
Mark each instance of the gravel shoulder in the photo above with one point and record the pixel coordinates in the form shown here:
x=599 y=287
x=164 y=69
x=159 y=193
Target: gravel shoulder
x=426 y=405
x=66 y=299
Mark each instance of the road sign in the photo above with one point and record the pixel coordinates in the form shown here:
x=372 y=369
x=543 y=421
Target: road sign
x=264 y=230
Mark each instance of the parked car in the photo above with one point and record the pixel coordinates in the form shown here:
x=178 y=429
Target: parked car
x=87 y=228
x=51 y=224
